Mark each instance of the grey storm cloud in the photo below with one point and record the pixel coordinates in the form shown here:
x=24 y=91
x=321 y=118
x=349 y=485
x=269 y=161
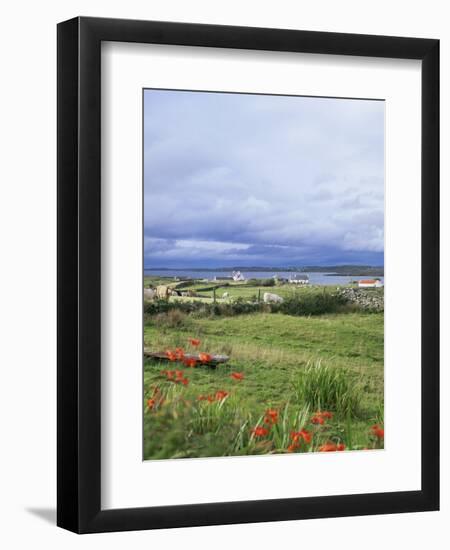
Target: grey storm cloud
x=262 y=179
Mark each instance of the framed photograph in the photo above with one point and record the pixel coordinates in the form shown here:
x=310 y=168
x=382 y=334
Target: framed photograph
x=248 y=274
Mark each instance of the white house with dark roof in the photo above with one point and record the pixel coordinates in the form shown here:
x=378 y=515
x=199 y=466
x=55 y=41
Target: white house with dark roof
x=299 y=279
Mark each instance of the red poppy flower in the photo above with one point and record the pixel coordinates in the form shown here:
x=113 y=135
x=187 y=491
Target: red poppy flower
x=179 y=353
x=323 y=415
x=292 y=447
x=306 y=436
x=184 y=381
x=179 y=374
x=317 y=420
x=377 y=431
x=331 y=447
x=221 y=394
x=194 y=342
x=210 y=398
x=328 y=448
x=205 y=357
x=171 y=355
x=271 y=416
x=190 y=362
x=151 y=403
x=237 y=375
x=259 y=431
x=302 y=434
x=170 y=374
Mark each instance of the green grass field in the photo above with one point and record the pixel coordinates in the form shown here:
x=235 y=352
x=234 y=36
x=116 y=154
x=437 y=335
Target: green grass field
x=204 y=290
x=293 y=365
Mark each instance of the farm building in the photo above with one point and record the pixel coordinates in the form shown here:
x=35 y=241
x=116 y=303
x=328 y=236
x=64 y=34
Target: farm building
x=370 y=283
x=299 y=279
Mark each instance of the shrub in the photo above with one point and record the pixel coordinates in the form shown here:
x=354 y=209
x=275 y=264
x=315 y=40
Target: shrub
x=313 y=303
x=203 y=309
x=156 y=306
x=174 y=318
x=325 y=388
x=261 y=282
x=300 y=304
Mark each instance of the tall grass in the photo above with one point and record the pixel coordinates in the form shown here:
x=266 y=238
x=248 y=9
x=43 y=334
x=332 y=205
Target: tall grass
x=291 y=419
x=174 y=318
x=221 y=428
x=180 y=425
x=325 y=388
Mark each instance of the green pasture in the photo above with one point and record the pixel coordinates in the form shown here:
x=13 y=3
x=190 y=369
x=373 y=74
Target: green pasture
x=273 y=351
x=204 y=290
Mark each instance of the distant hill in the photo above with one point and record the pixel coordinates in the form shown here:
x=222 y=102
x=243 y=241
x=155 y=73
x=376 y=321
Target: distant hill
x=344 y=270
x=348 y=270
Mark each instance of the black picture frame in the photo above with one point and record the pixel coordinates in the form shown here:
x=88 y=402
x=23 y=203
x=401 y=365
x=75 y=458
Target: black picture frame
x=79 y=280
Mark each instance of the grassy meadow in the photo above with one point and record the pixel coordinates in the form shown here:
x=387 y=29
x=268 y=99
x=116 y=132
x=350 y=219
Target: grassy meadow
x=294 y=382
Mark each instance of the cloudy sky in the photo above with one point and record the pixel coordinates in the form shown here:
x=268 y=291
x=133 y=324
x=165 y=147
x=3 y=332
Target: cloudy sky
x=254 y=180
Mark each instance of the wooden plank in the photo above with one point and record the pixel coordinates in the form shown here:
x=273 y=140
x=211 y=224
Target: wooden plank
x=215 y=359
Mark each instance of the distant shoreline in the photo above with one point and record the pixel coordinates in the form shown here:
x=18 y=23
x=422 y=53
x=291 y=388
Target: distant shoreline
x=344 y=270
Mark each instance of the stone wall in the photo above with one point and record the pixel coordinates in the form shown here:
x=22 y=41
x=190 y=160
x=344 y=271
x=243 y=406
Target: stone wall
x=367 y=298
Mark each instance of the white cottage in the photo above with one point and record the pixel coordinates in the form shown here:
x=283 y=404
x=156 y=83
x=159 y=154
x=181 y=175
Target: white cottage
x=299 y=279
